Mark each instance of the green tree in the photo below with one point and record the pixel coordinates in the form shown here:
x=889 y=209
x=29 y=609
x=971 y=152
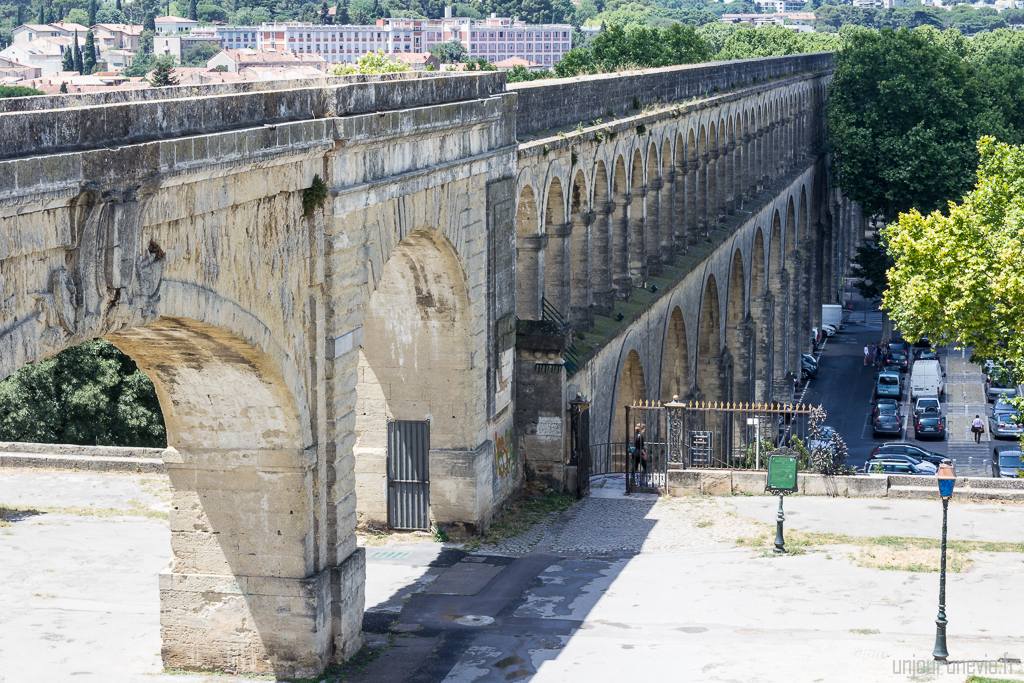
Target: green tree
x=163 y=73
x=370 y=63
x=871 y=265
x=149 y=23
x=63 y=88
x=901 y=119
x=450 y=52
x=716 y=34
x=360 y=18
x=764 y=41
x=575 y=62
x=18 y=91
x=199 y=54
x=92 y=12
x=210 y=13
x=77 y=55
x=89 y=53
x=342 y=15
x=957 y=274
x=193 y=11
x=682 y=45
x=68 y=62
x=91 y=395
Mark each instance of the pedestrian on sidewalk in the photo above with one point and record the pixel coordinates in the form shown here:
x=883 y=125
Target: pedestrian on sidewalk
x=978 y=427
x=874 y=354
x=867 y=353
x=878 y=357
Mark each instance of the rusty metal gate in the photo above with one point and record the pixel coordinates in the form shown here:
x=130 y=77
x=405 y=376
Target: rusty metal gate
x=408 y=474
x=579 y=443
x=648 y=456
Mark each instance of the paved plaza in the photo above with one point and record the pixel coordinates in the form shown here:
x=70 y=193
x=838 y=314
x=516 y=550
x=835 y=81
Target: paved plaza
x=614 y=588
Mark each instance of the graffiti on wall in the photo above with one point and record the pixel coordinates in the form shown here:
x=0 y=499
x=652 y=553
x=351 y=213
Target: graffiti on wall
x=505 y=454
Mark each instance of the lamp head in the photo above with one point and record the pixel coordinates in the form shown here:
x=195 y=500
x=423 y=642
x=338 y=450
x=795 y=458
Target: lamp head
x=947 y=479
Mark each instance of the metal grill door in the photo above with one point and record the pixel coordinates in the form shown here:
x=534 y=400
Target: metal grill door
x=408 y=475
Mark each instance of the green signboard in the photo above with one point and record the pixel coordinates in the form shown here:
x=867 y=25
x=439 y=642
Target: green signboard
x=782 y=473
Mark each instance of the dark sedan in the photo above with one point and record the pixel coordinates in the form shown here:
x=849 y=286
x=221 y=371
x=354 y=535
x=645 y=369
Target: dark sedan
x=887 y=424
x=930 y=427
x=1006 y=463
x=884 y=405
x=889 y=450
x=896 y=360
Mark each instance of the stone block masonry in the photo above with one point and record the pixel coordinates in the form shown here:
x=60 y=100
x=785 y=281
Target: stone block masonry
x=282 y=338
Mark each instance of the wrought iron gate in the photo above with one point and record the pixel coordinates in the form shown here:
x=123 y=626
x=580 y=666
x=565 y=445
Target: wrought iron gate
x=647 y=461
x=408 y=474
x=734 y=435
x=579 y=443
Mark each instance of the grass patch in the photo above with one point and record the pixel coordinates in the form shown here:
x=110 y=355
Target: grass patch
x=522 y=513
x=339 y=673
x=983 y=679
x=865 y=631
x=704 y=523
x=136 y=509
x=901 y=553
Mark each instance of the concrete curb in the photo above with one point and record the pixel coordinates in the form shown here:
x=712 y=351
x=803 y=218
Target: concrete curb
x=747 y=482
x=73 y=457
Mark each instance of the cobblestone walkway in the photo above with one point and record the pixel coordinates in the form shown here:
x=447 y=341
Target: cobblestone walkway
x=609 y=522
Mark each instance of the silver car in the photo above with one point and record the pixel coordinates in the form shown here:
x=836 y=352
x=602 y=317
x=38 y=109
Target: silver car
x=1004 y=425
x=1006 y=463
x=999 y=385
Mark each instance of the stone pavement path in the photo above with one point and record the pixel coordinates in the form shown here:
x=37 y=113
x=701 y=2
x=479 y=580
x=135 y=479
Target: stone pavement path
x=617 y=588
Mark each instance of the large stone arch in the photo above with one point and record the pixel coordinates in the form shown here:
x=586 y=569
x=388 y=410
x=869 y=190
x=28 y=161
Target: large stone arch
x=638 y=222
x=738 y=337
x=675 y=364
x=711 y=371
x=621 y=282
x=581 y=285
x=556 y=252
x=530 y=256
x=778 y=283
x=794 y=269
x=653 y=221
x=602 y=240
x=630 y=388
x=416 y=360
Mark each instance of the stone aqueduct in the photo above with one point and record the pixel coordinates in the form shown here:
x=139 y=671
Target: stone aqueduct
x=282 y=337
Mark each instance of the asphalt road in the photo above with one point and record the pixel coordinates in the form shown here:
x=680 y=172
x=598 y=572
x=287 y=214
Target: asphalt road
x=845 y=388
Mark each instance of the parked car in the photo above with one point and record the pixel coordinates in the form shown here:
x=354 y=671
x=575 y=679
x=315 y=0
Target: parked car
x=924 y=341
x=1002 y=405
x=927 y=406
x=1004 y=425
x=894 y=449
x=999 y=383
x=897 y=360
x=829 y=329
x=887 y=424
x=825 y=435
x=808 y=366
x=894 y=466
x=929 y=425
x=885 y=405
x=1006 y=462
x=927 y=354
x=889 y=384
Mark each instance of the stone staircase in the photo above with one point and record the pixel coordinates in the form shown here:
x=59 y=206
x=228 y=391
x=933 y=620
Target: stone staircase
x=91 y=458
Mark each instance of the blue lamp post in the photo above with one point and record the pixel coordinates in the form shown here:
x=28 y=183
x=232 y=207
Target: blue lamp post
x=946 y=482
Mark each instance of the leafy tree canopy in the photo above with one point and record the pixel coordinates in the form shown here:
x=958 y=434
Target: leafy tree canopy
x=957 y=275
x=18 y=91
x=450 y=52
x=900 y=115
x=370 y=63
x=90 y=395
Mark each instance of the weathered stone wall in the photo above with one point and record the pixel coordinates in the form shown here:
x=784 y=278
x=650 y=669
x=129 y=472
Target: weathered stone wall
x=548 y=103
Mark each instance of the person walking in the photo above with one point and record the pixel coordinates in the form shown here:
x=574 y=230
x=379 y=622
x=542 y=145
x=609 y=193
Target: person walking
x=640 y=448
x=978 y=427
x=867 y=354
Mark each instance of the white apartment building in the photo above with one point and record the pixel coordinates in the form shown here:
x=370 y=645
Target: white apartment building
x=172 y=24
x=493 y=39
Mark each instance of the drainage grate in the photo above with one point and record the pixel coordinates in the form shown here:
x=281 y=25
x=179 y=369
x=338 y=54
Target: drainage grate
x=389 y=555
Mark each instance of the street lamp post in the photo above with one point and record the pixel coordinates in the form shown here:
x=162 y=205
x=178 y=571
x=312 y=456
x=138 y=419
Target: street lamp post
x=757 y=440
x=946 y=482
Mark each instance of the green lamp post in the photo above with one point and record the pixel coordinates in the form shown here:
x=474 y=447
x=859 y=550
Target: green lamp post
x=946 y=482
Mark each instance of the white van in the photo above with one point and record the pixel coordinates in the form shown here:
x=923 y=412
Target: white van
x=927 y=379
